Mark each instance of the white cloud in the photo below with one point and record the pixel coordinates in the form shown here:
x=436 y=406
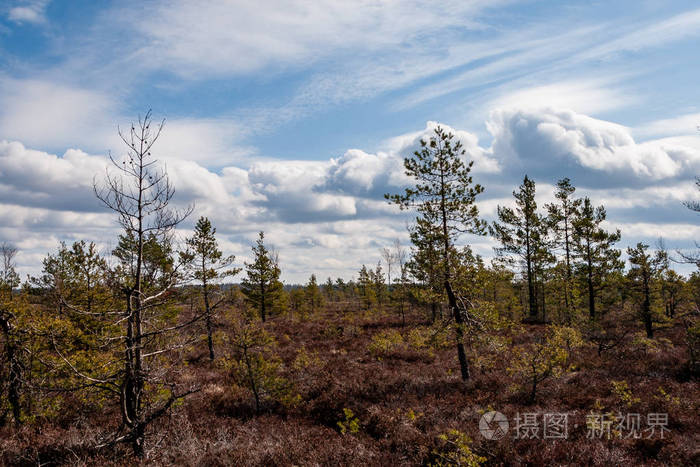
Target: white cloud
x=652 y=231
x=210 y=142
x=681 y=125
x=656 y=34
x=550 y=136
x=585 y=96
x=46 y=114
x=330 y=216
x=28 y=11
x=484 y=161
x=242 y=36
x=37 y=178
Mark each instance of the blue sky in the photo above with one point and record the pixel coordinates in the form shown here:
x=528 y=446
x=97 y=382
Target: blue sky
x=294 y=116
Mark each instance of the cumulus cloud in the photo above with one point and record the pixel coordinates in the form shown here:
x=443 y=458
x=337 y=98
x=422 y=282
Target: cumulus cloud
x=36 y=178
x=209 y=142
x=288 y=190
x=536 y=139
x=330 y=216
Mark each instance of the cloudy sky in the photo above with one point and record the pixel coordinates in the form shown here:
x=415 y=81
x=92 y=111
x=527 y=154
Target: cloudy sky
x=293 y=116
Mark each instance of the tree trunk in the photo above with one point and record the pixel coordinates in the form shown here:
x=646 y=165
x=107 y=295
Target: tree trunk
x=646 y=310
x=531 y=291
x=452 y=299
x=210 y=340
x=544 y=304
x=15 y=374
x=591 y=290
x=251 y=378
x=532 y=299
x=533 y=391
x=262 y=302
x=207 y=313
x=139 y=438
x=461 y=354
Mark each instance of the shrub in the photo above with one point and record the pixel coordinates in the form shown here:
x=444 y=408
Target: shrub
x=454 y=449
x=548 y=357
x=384 y=343
x=623 y=392
x=255 y=365
x=350 y=423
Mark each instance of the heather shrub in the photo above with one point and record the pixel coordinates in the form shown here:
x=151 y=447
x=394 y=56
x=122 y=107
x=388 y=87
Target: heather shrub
x=546 y=357
x=350 y=423
x=454 y=449
x=384 y=343
x=624 y=394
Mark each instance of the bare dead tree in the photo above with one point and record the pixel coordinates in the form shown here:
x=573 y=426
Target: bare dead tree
x=11 y=373
x=399 y=256
x=390 y=260
x=139 y=191
x=692 y=257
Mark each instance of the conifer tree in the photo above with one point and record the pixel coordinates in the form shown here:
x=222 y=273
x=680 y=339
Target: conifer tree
x=673 y=290
x=593 y=246
x=401 y=282
x=444 y=197
x=366 y=287
x=561 y=217
x=424 y=267
x=519 y=232
x=378 y=283
x=312 y=294
x=261 y=286
x=207 y=265
x=644 y=274
x=329 y=290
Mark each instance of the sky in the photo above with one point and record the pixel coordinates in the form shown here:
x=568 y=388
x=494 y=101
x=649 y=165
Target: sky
x=293 y=117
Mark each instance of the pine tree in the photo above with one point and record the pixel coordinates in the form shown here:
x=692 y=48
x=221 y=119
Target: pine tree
x=673 y=289
x=329 y=290
x=313 y=295
x=561 y=217
x=378 y=283
x=261 y=286
x=645 y=272
x=425 y=267
x=207 y=265
x=366 y=288
x=519 y=232
x=593 y=246
x=444 y=196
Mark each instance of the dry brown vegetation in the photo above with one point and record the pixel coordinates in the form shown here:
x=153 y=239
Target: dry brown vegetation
x=402 y=401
